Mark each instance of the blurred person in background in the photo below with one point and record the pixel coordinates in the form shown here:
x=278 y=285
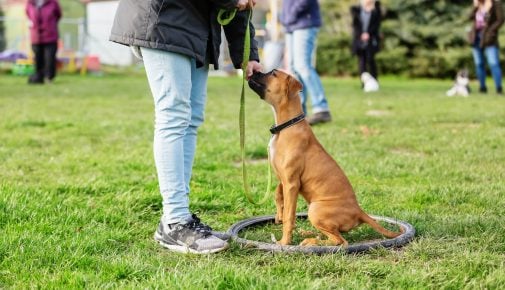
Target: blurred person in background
x=301 y=20
x=366 y=20
x=43 y=16
x=487 y=18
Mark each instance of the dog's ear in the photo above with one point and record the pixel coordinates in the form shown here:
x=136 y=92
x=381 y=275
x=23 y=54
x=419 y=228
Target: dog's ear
x=294 y=86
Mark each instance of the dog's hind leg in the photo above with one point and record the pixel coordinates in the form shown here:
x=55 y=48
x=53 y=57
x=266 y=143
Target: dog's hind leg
x=321 y=217
x=334 y=238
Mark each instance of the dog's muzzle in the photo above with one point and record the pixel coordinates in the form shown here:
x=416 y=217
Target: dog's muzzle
x=257 y=82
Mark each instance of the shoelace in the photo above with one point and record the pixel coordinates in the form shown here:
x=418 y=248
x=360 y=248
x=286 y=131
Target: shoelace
x=198 y=226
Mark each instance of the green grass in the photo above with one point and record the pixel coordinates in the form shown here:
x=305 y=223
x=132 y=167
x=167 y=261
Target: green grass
x=79 y=200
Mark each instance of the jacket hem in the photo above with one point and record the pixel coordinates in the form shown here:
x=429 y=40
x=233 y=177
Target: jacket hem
x=128 y=41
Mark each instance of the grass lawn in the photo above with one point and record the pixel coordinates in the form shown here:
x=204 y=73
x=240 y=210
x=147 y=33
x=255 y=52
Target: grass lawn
x=79 y=201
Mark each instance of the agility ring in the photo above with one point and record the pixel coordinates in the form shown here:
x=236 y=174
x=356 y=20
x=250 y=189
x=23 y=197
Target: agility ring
x=403 y=239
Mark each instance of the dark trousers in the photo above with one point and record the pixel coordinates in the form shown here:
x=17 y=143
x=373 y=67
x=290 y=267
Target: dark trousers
x=366 y=58
x=45 y=61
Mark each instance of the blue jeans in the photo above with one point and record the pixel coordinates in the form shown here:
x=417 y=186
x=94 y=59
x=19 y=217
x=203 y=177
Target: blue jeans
x=300 y=45
x=179 y=91
x=492 y=57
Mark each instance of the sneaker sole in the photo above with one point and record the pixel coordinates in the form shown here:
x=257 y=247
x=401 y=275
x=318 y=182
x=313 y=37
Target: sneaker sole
x=319 y=122
x=184 y=249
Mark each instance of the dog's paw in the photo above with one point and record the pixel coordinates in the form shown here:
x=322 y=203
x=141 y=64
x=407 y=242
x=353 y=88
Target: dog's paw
x=283 y=242
x=310 y=242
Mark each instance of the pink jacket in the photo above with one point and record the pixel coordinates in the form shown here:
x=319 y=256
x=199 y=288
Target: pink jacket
x=44 y=21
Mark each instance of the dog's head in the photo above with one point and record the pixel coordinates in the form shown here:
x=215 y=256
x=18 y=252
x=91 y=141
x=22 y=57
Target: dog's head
x=275 y=87
x=462 y=78
x=462 y=73
x=365 y=77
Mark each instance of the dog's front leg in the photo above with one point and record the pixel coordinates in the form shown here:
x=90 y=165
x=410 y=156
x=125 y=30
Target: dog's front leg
x=279 y=203
x=290 y=194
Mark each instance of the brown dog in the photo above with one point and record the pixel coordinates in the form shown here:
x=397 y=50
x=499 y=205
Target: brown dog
x=303 y=166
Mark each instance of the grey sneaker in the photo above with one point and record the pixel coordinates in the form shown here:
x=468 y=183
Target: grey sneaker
x=321 y=117
x=191 y=237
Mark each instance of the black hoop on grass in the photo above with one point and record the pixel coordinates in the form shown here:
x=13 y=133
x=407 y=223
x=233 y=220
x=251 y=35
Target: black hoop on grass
x=404 y=238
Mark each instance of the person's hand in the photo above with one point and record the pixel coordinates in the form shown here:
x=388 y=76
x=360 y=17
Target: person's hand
x=365 y=36
x=252 y=67
x=245 y=4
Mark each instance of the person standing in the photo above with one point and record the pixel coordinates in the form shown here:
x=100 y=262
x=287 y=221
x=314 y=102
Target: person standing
x=44 y=16
x=301 y=20
x=366 y=20
x=487 y=18
x=177 y=40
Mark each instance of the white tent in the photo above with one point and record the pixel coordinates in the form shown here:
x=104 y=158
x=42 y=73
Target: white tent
x=99 y=19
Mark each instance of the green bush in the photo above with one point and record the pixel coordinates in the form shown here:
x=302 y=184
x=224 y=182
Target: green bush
x=334 y=56
x=393 y=61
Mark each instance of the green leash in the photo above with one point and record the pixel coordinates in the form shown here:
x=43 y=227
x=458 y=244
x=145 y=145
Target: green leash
x=224 y=17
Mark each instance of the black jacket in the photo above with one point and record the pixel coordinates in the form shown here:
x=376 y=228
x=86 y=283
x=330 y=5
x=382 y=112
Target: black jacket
x=187 y=27
x=494 y=20
x=373 y=28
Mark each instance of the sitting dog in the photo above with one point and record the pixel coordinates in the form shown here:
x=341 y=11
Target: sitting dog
x=460 y=87
x=303 y=166
x=370 y=84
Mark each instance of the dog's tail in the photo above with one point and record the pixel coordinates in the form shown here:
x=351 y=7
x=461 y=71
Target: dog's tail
x=377 y=227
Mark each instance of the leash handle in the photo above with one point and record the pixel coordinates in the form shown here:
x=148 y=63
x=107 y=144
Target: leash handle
x=224 y=17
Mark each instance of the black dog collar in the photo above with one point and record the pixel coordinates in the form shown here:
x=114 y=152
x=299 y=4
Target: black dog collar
x=276 y=129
